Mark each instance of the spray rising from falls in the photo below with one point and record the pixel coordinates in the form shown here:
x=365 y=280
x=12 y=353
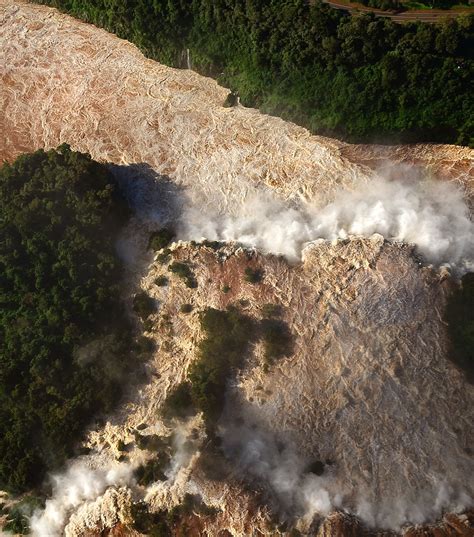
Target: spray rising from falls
x=79 y=484
x=430 y=214
x=295 y=490
x=301 y=490
x=71 y=489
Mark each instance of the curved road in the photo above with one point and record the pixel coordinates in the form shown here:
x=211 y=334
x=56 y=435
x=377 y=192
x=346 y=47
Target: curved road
x=432 y=15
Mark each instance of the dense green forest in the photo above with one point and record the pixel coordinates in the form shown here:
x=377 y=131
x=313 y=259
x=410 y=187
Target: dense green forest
x=228 y=334
x=63 y=335
x=358 y=77
x=389 y=5
x=400 y=5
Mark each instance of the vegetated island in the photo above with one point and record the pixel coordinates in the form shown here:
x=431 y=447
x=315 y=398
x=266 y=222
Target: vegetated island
x=65 y=342
x=361 y=78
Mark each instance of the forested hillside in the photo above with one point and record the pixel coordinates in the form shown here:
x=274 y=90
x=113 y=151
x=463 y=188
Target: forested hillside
x=362 y=78
x=63 y=336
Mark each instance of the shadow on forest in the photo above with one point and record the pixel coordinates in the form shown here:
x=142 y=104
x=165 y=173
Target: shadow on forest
x=152 y=197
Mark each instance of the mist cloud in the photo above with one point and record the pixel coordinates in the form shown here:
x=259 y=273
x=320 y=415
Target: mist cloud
x=295 y=492
x=417 y=507
x=79 y=483
x=298 y=494
x=430 y=214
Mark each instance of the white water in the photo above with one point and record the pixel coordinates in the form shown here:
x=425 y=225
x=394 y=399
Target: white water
x=430 y=214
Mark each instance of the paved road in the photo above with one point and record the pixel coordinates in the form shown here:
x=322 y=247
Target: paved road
x=432 y=15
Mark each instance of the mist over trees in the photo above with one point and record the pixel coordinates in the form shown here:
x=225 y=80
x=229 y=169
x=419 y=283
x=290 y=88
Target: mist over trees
x=63 y=335
x=359 y=77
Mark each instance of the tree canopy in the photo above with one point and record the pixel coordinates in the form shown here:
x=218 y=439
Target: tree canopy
x=63 y=335
x=359 y=77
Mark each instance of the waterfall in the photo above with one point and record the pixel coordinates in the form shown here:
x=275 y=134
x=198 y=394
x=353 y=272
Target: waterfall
x=188 y=59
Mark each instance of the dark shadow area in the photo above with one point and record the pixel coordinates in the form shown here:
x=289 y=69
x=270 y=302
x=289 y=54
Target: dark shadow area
x=277 y=340
x=460 y=318
x=151 y=196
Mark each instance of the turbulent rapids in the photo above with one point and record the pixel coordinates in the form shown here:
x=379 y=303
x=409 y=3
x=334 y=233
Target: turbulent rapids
x=369 y=237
